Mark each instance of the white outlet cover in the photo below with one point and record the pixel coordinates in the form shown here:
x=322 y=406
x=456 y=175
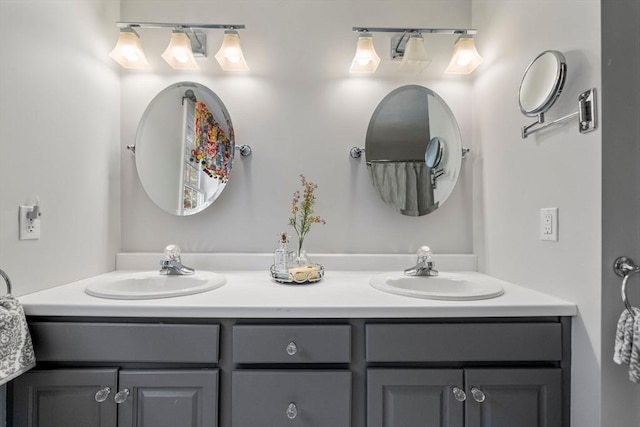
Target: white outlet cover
x=549 y=224
x=28 y=229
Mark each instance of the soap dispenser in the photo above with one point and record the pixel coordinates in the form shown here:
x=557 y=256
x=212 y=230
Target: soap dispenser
x=282 y=257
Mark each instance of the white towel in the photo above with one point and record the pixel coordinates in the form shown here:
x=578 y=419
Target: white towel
x=16 y=349
x=624 y=338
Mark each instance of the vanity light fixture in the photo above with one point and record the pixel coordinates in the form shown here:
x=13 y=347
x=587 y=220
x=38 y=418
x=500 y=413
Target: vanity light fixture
x=414 y=58
x=230 y=55
x=179 y=53
x=128 y=51
x=465 y=57
x=186 y=44
x=366 y=60
x=408 y=46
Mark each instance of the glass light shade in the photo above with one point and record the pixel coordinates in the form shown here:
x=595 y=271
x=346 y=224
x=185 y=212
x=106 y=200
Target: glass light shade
x=366 y=60
x=465 y=57
x=128 y=51
x=230 y=56
x=415 y=58
x=179 y=54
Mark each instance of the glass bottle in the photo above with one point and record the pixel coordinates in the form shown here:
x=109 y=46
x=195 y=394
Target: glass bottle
x=282 y=257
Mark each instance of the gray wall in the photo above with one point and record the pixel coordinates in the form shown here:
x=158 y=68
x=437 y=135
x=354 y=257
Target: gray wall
x=514 y=178
x=59 y=121
x=301 y=111
x=620 y=193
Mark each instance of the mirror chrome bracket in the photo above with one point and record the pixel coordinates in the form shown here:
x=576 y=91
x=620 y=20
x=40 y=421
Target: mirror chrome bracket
x=586 y=115
x=356 y=152
x=245 y=150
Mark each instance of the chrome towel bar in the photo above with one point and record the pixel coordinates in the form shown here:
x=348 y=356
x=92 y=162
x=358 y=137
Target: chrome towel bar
x=625 y=267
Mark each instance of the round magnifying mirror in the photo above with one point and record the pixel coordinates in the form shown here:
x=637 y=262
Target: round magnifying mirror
x=184 y=148
x=433 y=155
x=542 y=82
x=413 y=150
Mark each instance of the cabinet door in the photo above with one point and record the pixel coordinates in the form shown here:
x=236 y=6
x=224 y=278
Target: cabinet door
x=414 y=397
x=169 y=398
x=65 y=397
x=514 y=397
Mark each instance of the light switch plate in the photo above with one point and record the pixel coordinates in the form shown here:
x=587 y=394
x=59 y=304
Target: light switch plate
x=549 y=224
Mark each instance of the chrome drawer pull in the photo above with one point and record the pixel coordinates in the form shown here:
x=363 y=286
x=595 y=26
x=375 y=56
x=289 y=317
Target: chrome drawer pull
x=121 y=396
x=292 y=411
x=101 y=395
x=478 y=395
x=292 y=348
x=460 y=395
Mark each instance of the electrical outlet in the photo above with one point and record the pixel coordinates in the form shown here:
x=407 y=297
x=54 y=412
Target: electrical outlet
x=549 y=224
x=29 y=228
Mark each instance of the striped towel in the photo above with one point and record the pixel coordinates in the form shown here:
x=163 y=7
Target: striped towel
x=16 y=349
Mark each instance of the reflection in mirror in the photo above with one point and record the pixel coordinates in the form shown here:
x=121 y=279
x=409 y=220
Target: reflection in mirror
x=414 y=150
x=184 y=148
x=433 y=155
x=542 y=82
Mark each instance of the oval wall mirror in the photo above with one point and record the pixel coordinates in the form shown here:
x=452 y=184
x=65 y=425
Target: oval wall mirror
x=184 y=148
x=542 y=82
x=413 y=150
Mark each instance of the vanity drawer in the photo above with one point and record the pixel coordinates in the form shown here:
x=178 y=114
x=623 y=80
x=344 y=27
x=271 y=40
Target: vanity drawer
x=302 y=398
x=464 y=342
x=125 y=342
x=292 y=343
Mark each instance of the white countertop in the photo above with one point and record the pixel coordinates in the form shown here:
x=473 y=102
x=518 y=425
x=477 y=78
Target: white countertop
x=252 y=294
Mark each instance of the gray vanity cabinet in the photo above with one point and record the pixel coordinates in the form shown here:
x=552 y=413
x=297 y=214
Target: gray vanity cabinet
x=513 y=397
x=64 y=397
x=271 y=388
x=303 y=372
x=296 y=398
x=169 y=398
x=108 y=398
x=402 y=393
x=124 y=375
x=482 y=397
x=413 y=397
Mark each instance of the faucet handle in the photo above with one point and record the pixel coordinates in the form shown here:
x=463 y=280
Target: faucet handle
x=424 y=252
x=172 y=251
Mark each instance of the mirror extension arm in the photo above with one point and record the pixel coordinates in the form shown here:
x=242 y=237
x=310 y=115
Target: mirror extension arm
x=587 y=116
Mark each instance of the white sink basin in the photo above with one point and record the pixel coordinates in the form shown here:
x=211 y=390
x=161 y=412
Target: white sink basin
x=151 y=285
x=443 y=287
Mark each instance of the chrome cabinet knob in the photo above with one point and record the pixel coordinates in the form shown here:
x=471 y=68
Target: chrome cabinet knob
x=478 y=395
x=121 y=396
x=101 y=395
x=459 y=394
x=292 y=348
x=292 y=411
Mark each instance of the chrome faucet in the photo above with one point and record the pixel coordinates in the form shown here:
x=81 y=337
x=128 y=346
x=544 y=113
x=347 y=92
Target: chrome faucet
x=424 y=265
x=171 y=265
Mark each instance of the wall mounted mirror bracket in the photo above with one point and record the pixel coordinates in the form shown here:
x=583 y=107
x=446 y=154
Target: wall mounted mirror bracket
x=586 y=115
x=244 y=149
x=356 y=152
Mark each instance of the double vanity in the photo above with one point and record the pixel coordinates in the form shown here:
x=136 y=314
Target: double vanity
x=340 y=352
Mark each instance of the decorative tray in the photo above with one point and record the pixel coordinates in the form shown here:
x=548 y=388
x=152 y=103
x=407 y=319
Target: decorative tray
x=311 y=273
